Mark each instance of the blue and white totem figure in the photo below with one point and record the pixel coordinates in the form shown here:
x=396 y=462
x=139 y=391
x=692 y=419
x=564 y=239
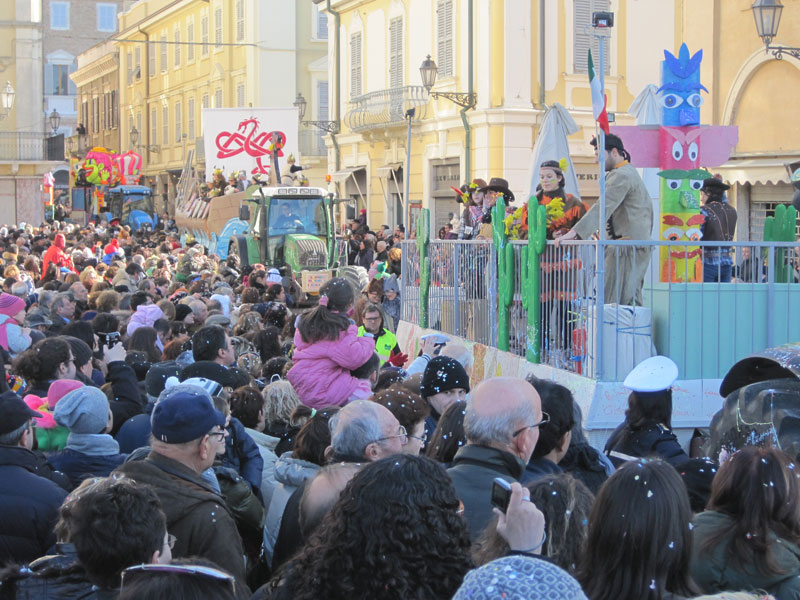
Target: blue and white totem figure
x=681 y=87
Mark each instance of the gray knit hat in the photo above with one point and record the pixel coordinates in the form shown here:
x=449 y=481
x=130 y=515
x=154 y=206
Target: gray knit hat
x=84 y=410
x=519 y=578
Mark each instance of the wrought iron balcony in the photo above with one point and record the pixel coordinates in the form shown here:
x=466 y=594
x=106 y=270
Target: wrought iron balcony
x=386 y=108
x=24 y=146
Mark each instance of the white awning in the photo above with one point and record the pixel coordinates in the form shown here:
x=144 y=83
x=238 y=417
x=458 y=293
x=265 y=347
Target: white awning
x=340 y=176
x=754 y=171
x=385 y=172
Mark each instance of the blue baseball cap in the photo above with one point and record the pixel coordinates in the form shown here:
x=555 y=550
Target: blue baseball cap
x=184 y=416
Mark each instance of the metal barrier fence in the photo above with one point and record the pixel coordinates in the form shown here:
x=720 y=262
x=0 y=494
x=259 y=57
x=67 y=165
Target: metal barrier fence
x=655 y=301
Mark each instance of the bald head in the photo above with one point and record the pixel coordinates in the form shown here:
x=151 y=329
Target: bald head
x=497 y=409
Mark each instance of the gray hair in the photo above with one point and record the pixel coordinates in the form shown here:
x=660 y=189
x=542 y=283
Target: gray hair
x=12 y=438
x=353 y=428
x=60 y=300
x=497 y=428
x=20 y=289
x=46 y=298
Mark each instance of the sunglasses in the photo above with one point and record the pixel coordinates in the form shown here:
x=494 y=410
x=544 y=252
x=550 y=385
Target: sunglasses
x=207 y=572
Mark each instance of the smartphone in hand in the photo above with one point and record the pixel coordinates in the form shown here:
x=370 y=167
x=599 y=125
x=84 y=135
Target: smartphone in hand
x=501 y=493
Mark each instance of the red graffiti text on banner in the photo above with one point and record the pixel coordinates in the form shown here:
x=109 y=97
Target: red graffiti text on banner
x=245 y=139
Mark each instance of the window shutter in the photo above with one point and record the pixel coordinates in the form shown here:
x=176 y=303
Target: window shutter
x=322 y=100
x=178 y=123
x=218 y=98
x=322 y=25
x=204 y=32
x=396 y=53
x=240 y=95
x=239 y=20
x=165 y=125
x=190 y=39
x=444 y=38
x=190 y=116
x=218 y=27
x=582 y=12
x=153 y=126
x=355 y=65
x=164 y=53
x=177 y=47
x=129 y=65
x=70 y=88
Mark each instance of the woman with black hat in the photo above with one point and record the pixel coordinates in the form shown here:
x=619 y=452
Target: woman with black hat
x=719 y=226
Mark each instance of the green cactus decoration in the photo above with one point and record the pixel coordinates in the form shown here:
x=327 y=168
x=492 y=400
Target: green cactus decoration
x=531 y=275
x=781 y=228
x=505 y=272
x=423 y=237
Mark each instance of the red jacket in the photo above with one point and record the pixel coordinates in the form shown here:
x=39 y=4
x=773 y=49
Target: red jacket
x=55 y=254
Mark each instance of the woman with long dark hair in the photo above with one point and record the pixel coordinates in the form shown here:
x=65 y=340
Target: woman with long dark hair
x=647 y=429
x=639 y=540
x=43 y=363
x=395 y=533
x=749 y=535
x=143 y=339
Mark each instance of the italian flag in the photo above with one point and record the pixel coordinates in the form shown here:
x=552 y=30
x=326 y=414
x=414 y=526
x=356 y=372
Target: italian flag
x=599 y=100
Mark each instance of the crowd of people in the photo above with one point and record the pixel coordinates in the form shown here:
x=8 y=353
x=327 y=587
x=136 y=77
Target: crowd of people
x=173 y=426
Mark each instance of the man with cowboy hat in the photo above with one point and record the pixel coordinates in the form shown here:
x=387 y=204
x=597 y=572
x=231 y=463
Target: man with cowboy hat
x=496 y=187
x=629 y=214
x=719 y=226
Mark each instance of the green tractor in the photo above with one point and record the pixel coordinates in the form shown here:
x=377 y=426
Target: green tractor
x=293 y=227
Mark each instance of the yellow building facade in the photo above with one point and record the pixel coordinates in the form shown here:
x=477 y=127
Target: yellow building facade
x=178 y=57
x=522 y=57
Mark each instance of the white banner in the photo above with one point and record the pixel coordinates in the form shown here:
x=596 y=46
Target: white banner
x=243 y=139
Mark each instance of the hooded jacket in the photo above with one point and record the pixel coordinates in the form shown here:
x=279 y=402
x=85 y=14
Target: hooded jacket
x=55 y=254
x=266 y=447
x=321 y=372
x=290 y=474
x=145 y=316
x=714 y=572
x=196 y=514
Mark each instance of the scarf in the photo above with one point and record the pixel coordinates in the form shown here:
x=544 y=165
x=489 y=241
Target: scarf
x=92 y=444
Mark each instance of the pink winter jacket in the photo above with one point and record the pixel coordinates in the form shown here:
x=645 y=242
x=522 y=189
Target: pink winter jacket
x=145 y=316
x=321 y=371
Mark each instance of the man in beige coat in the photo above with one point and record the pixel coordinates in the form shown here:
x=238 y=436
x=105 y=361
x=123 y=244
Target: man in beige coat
x=629 y=211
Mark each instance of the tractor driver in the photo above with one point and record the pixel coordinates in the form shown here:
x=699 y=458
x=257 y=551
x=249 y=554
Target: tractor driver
x=287 y=219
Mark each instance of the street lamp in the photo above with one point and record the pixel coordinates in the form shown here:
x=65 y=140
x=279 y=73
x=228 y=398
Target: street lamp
x=428 y=72
x=300 y=104
x=133 y=134
x=55 y=120
x=767 y=15
x=6 y=100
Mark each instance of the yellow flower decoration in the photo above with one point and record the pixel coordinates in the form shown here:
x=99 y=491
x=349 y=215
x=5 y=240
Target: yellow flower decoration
x=555 y=209
x=563 y=164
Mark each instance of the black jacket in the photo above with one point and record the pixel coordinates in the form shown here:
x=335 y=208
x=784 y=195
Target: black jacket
x=649 y=441
x=29 y=505
x=128 y=401
x=473 y=472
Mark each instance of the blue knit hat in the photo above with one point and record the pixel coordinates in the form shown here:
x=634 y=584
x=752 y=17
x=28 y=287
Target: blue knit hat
x=519 y=578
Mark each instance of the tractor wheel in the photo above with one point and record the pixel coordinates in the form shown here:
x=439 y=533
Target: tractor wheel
x=356 y=276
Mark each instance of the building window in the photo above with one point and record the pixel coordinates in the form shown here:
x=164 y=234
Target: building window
x=396 y=53
x=240 y=95
x=204 y=32
x=164 y=55
x=239 y=20
x=106 y=17
x=138 y=122
x=165 y=125
x=178 y=123
x=203 y=104
x=355 y=65
x=153 y=126
x=218 y=27
x=177 y=47
x=582 y=15
x=319 y=26
x=190 y=40
x=137 y=69
x=59 y=15
x=444 y=38
x=129 y=65
x=84 y=112
x=218 y=98
x=60 y=80
x=114 y=114
x=190 y=117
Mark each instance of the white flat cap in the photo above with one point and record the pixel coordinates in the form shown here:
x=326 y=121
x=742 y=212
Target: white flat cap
x=652 y=375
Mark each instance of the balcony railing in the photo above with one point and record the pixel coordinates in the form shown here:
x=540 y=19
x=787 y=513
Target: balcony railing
x=23 y=145
x=386 y=108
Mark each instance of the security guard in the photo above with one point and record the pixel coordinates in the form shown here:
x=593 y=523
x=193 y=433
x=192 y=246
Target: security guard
x=385 y=341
